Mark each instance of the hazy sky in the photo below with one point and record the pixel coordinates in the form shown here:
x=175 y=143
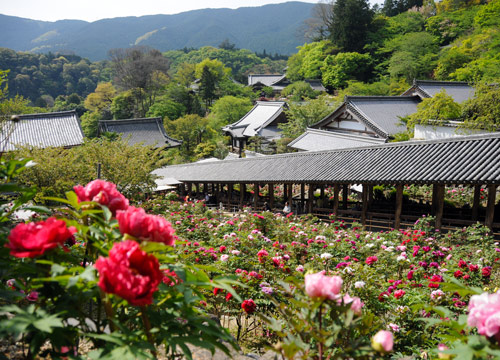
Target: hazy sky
x=91 y=10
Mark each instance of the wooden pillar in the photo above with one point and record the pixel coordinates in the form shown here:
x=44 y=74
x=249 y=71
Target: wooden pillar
x=290 y=195
x=344 y=196
x=285 y=192
x=271 y=196
x=229 y=196
x=399 y=206
x=197 y=185
x=217 y=194
x=255 y=196
x=336 y=190
x=302 y=197
x=370 y=195
x=182 y=190
x=310 y=196
x=322 y=189
x=475 y=203
x=364 y=208
x=190 y=189
x=438 y=197
x=490 y=207
x=242 y=194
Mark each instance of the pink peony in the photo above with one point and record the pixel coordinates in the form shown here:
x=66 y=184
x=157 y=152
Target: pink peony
x=356 y=303
x=129 y=273
x=383 y=341
x=484 y=313
x=321 y=286
x=135 y=222
x=371 y=259
x=104 y=193
x=34 y=239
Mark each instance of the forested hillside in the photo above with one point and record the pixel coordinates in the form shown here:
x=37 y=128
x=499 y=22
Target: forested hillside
x=274 y=28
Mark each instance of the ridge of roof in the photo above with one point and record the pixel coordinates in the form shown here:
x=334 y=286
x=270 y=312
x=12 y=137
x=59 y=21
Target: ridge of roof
x=258 y=103
x=368 y=147
x=124 y=121
x=364 y=118
x=48 y=114
x=381 y=97
x=441 y=82
x=343 y=135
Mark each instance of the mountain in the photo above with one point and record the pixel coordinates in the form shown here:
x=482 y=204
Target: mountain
x=274 y=28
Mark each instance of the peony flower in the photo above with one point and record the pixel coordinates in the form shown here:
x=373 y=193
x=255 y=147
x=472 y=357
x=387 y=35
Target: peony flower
x=441 y=355
x=356 y=303
x=249 y=306
x=399 y=294
x=34 y=239
x=129 y=273
x=135 y=222
x=104 y=193
x=235 y=252
x=300 y=268
x=383 y=341
x=224 y=257
x=394 y=327
x=326 y=256
x=484 y=313
x=359 y=284
x=371 y=259
x=321 y=286
x=32 y=296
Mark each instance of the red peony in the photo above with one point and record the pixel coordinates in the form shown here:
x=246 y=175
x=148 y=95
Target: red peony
x=104 y=193
x=486 y=271
x=34 y=239
x=135 y=222
x=371 y=259
x=129 y=273
x=249 y=306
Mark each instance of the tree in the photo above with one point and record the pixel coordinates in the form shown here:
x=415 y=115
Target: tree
x=141 y=70
x=211 y=73
x=483 y=111
x=300 y=116
x=308 y=61
x=190 y=129
x=338 y=69
x=394 y=7
x=299 y=90
x=227 y=110
x=349 y=24
x=101 y=98
x=440 y=107
x=207 y=86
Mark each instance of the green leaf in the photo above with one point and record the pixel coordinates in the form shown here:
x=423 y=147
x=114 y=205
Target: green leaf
x=48 y=323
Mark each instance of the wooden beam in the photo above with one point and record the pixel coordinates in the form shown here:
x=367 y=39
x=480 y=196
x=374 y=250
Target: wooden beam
x=336 y=190
x=364 y=209
x=476 y=202
x=242 y=194
x=490 y=207
x=438 y=197
x=229 y=196
x=255 y=196
x=399 y=206
x=344 y=196
x=271 y=196
x=310 y=197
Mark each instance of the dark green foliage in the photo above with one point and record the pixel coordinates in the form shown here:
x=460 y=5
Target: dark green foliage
x=394 y=7
x=350 y=22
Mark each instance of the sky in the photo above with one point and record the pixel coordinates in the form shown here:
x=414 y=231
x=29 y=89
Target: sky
x=92 y=10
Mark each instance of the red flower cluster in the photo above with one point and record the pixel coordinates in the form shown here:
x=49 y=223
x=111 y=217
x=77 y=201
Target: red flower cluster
x=249 y=306
x=129 y=273
x=34 y=239
x=135 y=222
x=104 y=193
x=371 y=259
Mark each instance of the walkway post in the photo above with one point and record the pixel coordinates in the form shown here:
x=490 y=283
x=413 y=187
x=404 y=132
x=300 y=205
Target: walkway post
x=310 y=197
x=438 y=196
x=229 y=196
x=399 y=206
x=344 y=196
x=255 y=196
x=271 y=196
x=364 y=209
x=490 y=207
x=336 y=190
x=290 y=195
x=242 y=194
x=475 y=203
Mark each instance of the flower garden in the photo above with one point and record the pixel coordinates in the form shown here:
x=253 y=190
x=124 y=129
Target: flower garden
x=150 y=280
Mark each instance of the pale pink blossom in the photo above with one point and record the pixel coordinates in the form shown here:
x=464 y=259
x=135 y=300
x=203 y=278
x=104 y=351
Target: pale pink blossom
x=383 y=341
x=484 y=313
x=321 y=286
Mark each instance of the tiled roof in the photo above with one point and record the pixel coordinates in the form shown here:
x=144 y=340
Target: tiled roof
x=58 y=129
x=458 y=90
x=264 y=79
x=464 y=160
x=317 y=140
x=148 y=131
x=261 y=115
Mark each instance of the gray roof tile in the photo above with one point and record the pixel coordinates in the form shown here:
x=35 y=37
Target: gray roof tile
x=57 y=129
x=462 y=160
x=318 y=140
x=148 y=131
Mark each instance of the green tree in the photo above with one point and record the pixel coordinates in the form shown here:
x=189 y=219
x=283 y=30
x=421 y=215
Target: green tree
x=349 y=24
x=101 y=98
x=90 y=123
x=301 y=115
x=166 y=108
x=298 y=91
x=190 y=129
x=123 y=106
x=338 y=69
x=227 y=110
x=483 y=111
x=440 y=107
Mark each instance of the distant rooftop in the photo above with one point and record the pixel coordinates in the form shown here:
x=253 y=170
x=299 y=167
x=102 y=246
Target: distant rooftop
x=264 y=79
x=148 y=131
x=319 y=140
x=260 y=116
x=57 y=129
x=458 y=90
